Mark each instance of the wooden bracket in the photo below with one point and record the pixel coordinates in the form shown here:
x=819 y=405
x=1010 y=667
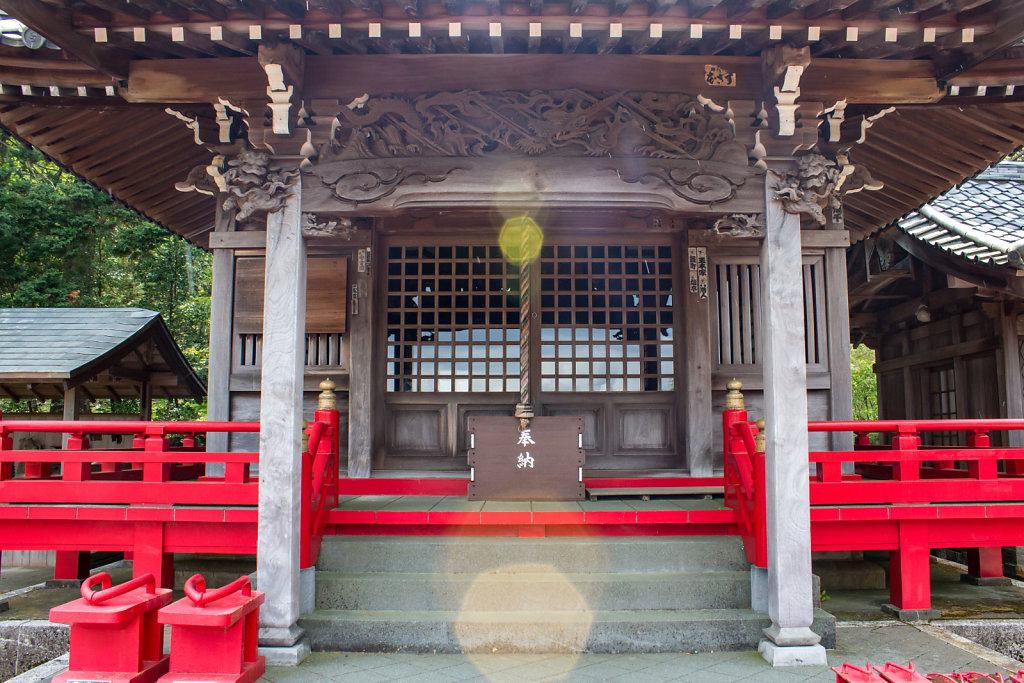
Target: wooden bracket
x=284 y=65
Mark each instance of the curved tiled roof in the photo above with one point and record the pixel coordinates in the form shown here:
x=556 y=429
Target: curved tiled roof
x=981 y=220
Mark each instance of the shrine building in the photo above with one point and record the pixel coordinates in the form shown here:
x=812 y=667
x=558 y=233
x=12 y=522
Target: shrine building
x=584 y=219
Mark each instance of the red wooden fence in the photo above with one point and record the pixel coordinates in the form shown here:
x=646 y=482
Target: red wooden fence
x=151 y=498
x=898 y=496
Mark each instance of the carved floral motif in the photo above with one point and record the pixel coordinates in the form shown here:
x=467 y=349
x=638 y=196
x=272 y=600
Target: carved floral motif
x=368 y=186
x=698 y=187
x=574 y=122
x=313 y=227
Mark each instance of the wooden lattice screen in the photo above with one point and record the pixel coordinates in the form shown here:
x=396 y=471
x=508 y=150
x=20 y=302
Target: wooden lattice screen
x=736 y=292
x=452 y=319
x=606 y=318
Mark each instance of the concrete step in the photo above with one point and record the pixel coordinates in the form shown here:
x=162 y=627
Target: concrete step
x=544 y=631
x=449 y=555
x=532 y=587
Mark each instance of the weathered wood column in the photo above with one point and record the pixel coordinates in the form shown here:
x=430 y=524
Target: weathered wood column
x=218 y=407
x=284 y=316
x=840 y=381
x=360 y=374
x=790 y=640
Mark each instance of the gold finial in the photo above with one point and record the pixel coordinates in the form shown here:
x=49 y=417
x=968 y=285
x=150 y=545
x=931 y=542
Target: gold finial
x=734 y=399
x=305 y=437
x=328 y=400
x=759 y=439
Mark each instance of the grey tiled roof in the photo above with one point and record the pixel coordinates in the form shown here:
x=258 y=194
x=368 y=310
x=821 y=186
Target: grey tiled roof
x=990 y=206
x=58 y=341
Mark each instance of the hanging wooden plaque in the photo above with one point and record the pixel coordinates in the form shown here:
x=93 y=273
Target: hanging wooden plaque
x=542 y=463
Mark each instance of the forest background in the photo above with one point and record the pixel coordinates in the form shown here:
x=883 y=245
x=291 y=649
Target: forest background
x=64 y=243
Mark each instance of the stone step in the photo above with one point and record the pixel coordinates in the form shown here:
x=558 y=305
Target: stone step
x=632 y=631
x=449 y=555
x=532 y=587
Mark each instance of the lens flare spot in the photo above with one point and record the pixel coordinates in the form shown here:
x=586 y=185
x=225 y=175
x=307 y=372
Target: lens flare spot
x=525 y=608
x=520 y=239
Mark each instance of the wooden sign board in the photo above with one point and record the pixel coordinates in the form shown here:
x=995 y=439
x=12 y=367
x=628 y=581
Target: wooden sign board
x=542 y=463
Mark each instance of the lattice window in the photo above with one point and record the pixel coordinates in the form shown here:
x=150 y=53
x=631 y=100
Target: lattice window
x=452 y=320
x=323 y=350
x=606 y=318
x=736 y=317
x=942 y=403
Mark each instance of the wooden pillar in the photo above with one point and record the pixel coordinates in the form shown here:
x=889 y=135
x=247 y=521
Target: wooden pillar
x=284 y=316
x=360 y=377
x=72 y=397
x=697 y=389
x=218 y=397
x=840 y=380
x=790 y=601
x=1011 y=372
x=146 y=401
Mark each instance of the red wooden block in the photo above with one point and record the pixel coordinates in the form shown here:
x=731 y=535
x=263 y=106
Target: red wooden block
x=114 y=632
x=848 y=673
x=894 y=673
x=214 y=635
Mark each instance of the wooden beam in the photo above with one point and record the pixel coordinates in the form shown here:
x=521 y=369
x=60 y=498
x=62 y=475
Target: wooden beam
x=348 y=76
x=249 y=239
x=55 y=24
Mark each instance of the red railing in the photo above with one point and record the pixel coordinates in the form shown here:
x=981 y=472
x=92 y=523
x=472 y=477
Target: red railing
x=153 y=472
x=744 y=482
x=319 y=482
x=149 y=472
x=903 y=472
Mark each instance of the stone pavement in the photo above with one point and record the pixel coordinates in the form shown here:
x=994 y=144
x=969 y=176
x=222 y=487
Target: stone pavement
x=928 y=647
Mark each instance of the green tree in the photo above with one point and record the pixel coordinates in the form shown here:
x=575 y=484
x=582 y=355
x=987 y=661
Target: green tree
x=65 y=243
x=865 y=394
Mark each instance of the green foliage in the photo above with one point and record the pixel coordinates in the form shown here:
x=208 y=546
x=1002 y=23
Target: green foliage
x=65 y=243
x=865 y=394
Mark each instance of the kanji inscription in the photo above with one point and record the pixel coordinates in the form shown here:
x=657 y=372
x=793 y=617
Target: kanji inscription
x=541 y=462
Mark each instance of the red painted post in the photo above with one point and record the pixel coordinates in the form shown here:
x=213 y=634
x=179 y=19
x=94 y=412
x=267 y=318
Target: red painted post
x=74 y=471
x=156 y=443
x=985 y=563
x=761 y=516
x=114 y=631
x=6 y=444
x=906 y=440
x=214 y=635
x=981 y=469
x=909 y=567
x=71 y=565
x=149 y=555
x=734 y=413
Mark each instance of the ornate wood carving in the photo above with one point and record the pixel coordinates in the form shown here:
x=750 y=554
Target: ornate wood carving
x=811 y=188
x=667 y=143
x=313 y=227
x=472 y=123
x=698 y=187
x=740 y=225
x=248 y=179
x=818 y=184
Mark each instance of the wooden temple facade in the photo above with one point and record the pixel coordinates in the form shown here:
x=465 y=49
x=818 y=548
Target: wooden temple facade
x=604 y=210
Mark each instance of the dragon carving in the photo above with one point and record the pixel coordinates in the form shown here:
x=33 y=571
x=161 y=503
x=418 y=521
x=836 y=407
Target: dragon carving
x=473 y=123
